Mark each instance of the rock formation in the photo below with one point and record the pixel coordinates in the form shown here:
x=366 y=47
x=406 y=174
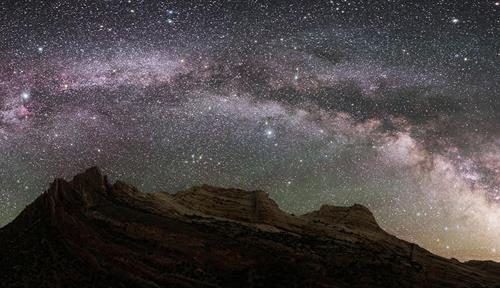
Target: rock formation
x=89 y=233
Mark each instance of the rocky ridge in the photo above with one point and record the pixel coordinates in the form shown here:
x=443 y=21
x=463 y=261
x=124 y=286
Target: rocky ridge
x=90 y=233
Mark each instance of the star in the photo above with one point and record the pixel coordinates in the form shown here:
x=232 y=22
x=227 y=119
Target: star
x=25 y=96
x=269 y=132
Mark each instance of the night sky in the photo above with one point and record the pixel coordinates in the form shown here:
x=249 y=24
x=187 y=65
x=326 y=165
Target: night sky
x=391 y=104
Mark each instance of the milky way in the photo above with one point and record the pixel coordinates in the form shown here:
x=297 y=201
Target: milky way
x=391 y=104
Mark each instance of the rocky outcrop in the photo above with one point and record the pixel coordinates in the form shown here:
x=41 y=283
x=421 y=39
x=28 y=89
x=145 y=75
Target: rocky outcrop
x=356 y=217
x=235 y=204
x=490 y=266
x=89 y=233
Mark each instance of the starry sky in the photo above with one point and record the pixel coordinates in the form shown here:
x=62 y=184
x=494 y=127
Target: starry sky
x=392 y=104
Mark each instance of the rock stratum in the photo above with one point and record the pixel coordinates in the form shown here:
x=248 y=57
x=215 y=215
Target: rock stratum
x=90 y=233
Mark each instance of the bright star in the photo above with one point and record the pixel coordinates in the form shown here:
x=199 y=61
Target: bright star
x=25 y=96
x=269 y=132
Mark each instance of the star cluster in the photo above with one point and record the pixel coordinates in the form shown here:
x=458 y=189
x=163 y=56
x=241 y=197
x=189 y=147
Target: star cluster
x=391 y=104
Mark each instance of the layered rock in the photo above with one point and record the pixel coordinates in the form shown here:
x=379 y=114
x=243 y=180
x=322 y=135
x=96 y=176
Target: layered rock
x=356 y=217
x=235 y=204
x=89 y=233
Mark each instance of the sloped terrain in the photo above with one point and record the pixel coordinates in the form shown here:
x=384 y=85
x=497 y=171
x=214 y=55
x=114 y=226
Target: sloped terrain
x=89 y=233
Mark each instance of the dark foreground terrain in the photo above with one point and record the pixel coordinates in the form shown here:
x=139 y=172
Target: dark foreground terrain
x=89 y=233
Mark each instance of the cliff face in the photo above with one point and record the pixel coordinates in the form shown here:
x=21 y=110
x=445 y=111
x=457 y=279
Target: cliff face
x=235 y=204
x=356 y=217
x=89 y=233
